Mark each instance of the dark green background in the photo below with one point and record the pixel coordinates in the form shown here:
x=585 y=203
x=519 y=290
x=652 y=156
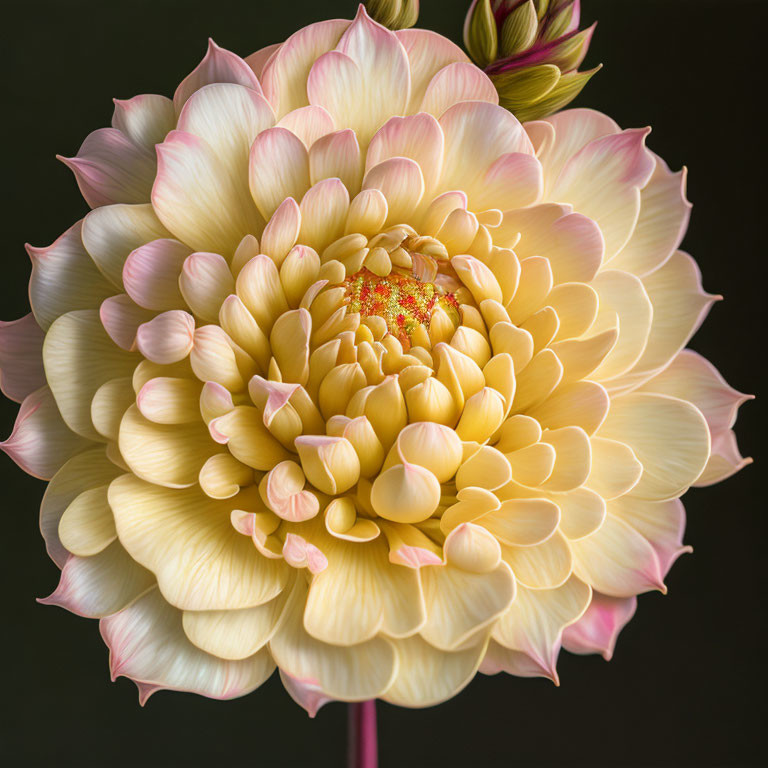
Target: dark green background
x=687 y=685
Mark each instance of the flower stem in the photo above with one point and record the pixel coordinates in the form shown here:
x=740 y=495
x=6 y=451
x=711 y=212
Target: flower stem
x=362 y=749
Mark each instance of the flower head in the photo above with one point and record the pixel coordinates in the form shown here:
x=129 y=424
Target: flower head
x=349 y=373
x=531 y=50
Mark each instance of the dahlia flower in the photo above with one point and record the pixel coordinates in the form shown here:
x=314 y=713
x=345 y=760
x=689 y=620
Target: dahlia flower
x=531 y=50
x=349 y=373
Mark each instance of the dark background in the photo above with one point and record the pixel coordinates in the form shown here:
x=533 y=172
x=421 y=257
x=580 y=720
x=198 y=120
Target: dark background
x=687 y=684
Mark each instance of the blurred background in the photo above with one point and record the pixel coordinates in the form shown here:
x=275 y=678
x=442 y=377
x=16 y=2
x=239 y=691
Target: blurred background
x=687 y=685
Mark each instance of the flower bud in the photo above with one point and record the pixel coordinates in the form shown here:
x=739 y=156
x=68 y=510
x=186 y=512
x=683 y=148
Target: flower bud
x=395 y=14
x=531 y=50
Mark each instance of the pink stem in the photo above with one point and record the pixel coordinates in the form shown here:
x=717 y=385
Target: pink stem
x=362 y=750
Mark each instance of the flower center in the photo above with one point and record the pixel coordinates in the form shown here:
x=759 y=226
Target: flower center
x=403 y=302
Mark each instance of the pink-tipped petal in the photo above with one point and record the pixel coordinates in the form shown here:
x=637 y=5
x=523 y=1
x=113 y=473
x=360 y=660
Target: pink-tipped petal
x=110 y=168
x=258 y=60
x=21 y=357
x=306 y=693
x=147 y=644
x=299 y=553
x=151 y=274
x=308 y=123
x=121 y=318
x=41 y=442
x=598 y=629
x=428 y=53
x=279 y=168
x=144 y=119
x=402 y=184
x=337 y=155
x=457 y=82
x=100 y=585
x=64 y=278
x=417 y=137
x=167 y=338
x=218 y=66
x=197 y=199
x=603 y=181
x=284 y=76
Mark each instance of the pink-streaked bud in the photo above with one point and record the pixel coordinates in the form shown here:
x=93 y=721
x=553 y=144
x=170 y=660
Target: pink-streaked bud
x=531 y=50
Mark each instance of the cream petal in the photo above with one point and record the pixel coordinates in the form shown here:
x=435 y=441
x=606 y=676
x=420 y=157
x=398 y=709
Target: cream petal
x=110 y=168
x=100 y=585
x=522 y=522
x=427 y=676
x=337 y=155
x=147 y=644
x=205 y=281
x=513 y=180
x=368 y=594
x=664 y=214
x=258 y=285
x=615 y=468
x=534 y=623
x=432 y=446
x=330 y=463
x=573 y=458
x=167 y=454
x=660 y=523
x=428 y=53
x=352 y=673
x=669 y=437
x=581 y=404
x=282 y=231
x=460 y=603
x=228 y=118
x=83 y=472
x=218 y=66
x=197 y=199
x=121 y=319
x=235 y=634
x=64 y=278
x=144 y=119
x=323 y=213
x=616 y=560
x=298 y=272
x=401 y=182
x=691 y=377
x=168 y=400
x=79 y=357
x=248 y=439
x=21 y=357
x=405 y=493
x=87 y=526
x=625 y=295
x=724 y=461
x=486 y=468
x=598 y=629
x=581 y=512
x=542 y=566
x=110 y=233
x=185 y=538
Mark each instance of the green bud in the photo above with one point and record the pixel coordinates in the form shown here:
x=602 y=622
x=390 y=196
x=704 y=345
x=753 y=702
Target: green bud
x=567 y=89
x=519 y=29
x=525 y=86
x=480 y=35
x=541 y=8
x=558 y=24
x=394 y=14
